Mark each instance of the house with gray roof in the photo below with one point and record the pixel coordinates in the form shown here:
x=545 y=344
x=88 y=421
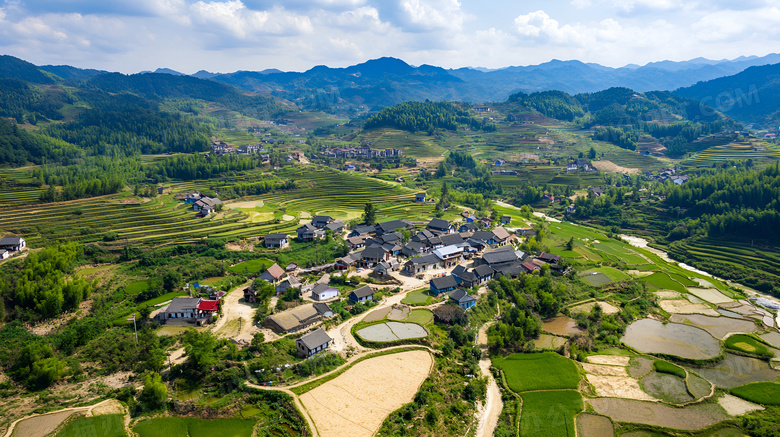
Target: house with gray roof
x=276 y=240
x=13 y=244
x=440 y=225
x=442 y=284
x=463 y=299
x=362 y=294
x=313 y=343
x=422 y=263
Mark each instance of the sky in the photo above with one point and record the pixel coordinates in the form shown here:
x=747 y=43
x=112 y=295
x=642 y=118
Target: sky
x=294 y=35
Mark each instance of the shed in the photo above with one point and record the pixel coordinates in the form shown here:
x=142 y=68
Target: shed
x=313 y=342
x=362 y=294
x=322 y=292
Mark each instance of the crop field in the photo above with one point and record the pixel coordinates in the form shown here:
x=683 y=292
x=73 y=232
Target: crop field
x=662 y=281
x=550 y=413
x=720 y=253
x=748 y=344
x=737 y=370
x=619 y=252
x=767 y=393
x=108 y=425
x=596 y=279
x=192 y=427
x=40 y=425
x=251 y=267
x=612 y=273
x=418 y=298
x=420 y=316
x=550 y=371
x=667 y=367
x=761 y=153
x=357 y=402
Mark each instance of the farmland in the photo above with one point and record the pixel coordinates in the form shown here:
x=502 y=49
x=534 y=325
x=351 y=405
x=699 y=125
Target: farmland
x=108 y=425
x=767 y=393
x=186 y=426
x=551 y=371
x=548 y=413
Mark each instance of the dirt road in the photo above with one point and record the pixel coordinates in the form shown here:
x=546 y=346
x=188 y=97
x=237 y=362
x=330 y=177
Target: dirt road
x=488 y=419
x=236 y=319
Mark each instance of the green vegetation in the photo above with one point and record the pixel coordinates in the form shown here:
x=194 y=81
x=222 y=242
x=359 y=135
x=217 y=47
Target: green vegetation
x=420 y=316
x=188 y=426
x=551 y=371
x=766 y=393
x=418 y=298
x=548 y=413
x=749 y=345
x=667 y=367
x=427 y=116
x=109 y=425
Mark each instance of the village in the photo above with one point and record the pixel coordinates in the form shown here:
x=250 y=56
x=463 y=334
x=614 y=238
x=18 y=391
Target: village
x=449 y=262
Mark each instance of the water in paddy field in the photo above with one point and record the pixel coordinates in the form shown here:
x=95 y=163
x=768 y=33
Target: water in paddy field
x=652 y=336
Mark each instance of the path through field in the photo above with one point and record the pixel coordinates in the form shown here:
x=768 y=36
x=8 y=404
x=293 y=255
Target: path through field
x=488 y=419
x=43 y=424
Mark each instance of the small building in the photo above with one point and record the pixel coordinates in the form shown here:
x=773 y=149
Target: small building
x=356 y=242
x=273 y=275
x=468 y=227
x=322 y=292
x=309 y=232
x=419 y=197
x=373 y=255
x=549 y=258
x=442 y=284
x=346 y=261
x=530 y=267
x=362 y=294
x=13 y=244
x=422 y=263
x=288 y=283
x=440 y=226
x=313 y=342
x=206 y=202
x=298 y=318
x=320 y=221
x=207 y=308
x=291 y=267
x=276 y=240
x=192 y=198
x=463 y=299
x=180 y=308
x=336 y=226
x=505 y=219
x=386 y=267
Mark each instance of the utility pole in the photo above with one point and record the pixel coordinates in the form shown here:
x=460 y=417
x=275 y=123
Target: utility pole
x=135 y=328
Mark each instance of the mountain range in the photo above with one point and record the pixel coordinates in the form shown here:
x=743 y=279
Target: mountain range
x=382 y=82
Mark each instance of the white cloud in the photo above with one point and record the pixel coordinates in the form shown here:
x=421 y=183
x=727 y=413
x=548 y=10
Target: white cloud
x=433 y=14
x=241 y=22
x=539 y=25
x=725 y=26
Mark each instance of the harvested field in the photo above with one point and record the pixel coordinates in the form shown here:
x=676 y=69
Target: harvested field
x=652 y=413
x=561 y=325
x=719 y=327
x=604 y=370
x=111 y=406
x=376 y=315
x=737 y=370
x=38 y=426
x=357 y=402
x=607 y=307
x=711 y=295
x=668 y=294
x=609 y=360
x=618 y=387
x=611 y=167
x=735 y=406
x=398 y=314
x=392 y=331
x=683 y=306
x=547 y=341
x=591 y=425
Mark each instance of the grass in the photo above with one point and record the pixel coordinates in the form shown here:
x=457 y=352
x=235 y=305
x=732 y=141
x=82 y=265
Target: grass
x=109 y=425
x=551 y=371
x=192 y=427
x=612 y=273
x=420 y=316
x=663 y=281
x=252 y=267
x=550 y=413
x=418 y=298
x=661 y=366
x=767 y=393
x=596 y=279
x=136 y=287
x=748 y=344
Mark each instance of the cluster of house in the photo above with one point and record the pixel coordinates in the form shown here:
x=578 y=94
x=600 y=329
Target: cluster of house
x=201 y=203
x=364 y=151
x=221 y=148
x=9 y=245
x=580 y=164
x=668 y=174
x=190 y=310
x=318 y=226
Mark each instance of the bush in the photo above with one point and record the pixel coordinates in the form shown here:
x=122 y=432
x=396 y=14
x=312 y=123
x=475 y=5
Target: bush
x=110 y=236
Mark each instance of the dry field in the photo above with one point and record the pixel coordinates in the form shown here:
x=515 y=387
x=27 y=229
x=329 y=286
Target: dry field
x=682 y=306
x=609 y=360
x=711 y=295
x=38 y=426
x=607 y=307
x=735 y=406
x=358 y=401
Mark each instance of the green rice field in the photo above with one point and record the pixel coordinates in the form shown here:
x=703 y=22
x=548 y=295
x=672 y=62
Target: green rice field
x=550 y=413
x=538 y=371
x=109 y=425
x=767 y=393
x=192 y=427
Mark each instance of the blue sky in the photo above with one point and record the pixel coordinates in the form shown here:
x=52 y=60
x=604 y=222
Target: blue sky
x=228 y=35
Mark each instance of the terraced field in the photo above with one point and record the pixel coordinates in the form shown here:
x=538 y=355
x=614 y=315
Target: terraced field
x=714 y=251
x=759 y=152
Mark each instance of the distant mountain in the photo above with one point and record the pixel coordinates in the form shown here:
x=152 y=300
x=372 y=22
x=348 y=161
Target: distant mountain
x=752 y=96
x=203 y=74
x=168 y=71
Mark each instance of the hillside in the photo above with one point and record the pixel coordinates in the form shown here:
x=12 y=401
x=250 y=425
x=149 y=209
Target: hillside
x=752 y=96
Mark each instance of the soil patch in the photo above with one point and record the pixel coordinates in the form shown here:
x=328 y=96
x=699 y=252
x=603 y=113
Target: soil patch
x=607 y=307
x=652 y=413
x=735 y=406
x=683 y=306
x=358 y=401
x=618 y=387
x=111 y=406
x=398 y=314
x=611 y=167
x=610 y=360
x=668 y=294
x=711 y=295
x=591 y=425
x=246 y=205
x=375 y=315
x=38 y=426
x=604 y=370
x=288 y=218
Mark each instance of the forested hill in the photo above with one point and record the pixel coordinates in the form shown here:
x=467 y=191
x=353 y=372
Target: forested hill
x=163 y=86
x=426 y=117
x=621 y=115
x=752 y=96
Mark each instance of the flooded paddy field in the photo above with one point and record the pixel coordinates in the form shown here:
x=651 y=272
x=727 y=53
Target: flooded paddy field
x=654 y=337
x=692 y=417
x=719 y=327
x=737 y=370
x=561 y=325
x=591 y=425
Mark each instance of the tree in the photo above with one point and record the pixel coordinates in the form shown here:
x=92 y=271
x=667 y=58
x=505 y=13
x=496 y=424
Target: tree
x=592 y=153
x=369 y=214
x=171 y=280
x=570 y=244
x=258 y=340
x=155 y=393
